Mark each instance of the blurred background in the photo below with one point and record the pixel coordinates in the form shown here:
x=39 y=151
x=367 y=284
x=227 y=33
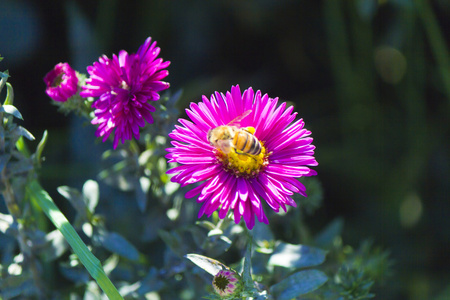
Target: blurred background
x=370 y=78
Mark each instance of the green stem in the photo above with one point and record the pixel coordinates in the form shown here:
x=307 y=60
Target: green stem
x=341 y=62
x=303 y=234
x=91 y=263
x=246 y=273
x=437 y=41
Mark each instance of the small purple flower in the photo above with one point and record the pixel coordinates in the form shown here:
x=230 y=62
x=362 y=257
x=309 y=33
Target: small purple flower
x=226 y=283
x=234 y=181
x=61 y=82
x=124 y=85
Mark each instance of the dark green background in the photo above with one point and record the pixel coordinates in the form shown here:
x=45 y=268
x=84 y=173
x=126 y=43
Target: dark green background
x=370 y=78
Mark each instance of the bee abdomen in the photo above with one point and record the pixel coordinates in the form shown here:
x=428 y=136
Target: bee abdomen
x=256 y=146
x=247 y=143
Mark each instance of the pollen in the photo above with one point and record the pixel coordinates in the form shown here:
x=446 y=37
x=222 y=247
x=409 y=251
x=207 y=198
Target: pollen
x=243 y=164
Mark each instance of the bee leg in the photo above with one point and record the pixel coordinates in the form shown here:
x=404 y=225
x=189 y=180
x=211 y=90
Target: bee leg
x=245 y=155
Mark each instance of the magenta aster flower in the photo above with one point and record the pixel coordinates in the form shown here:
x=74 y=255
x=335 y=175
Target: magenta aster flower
x=124 y=85
x=226 y=283
x=61 y=82
x=240 y=179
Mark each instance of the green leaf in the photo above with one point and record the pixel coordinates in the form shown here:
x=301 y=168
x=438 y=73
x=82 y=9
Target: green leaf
x=4 y=159
x=216 y=243
x=142 y=187
x=92 y=291
x=12 y=110
x=199 y=235
x=445 y=294
x=208 y=264
x=111 y=263
x=86 y=257
x=116 y=243
x=326 y=237
x=91 y=194
x=5 y=222
x=20 y=167
x=40 y=148
x=25 y=133
x=246 y=273
x=175 y=98
x=150 y=283
x=298 y=284
x=2 y=132
x=161 y=165
x=206 y=224
x=56 y=246
x=74 y=272
x=76 y=199
x=296 y=256
x=10 y=95
x=3 y=78
x=17 y=285
x=118 y=175
x=263 y=237
x=173 y=241
x=20 y=143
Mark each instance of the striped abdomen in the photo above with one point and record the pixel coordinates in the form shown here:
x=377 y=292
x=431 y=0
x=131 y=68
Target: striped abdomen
x=246 y=142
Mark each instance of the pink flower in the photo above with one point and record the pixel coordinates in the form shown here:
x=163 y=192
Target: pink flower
x=61 y=82
x=235 y=180
x=124 y=85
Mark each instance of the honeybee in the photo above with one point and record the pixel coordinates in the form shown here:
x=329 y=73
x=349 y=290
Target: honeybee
x=231 y=136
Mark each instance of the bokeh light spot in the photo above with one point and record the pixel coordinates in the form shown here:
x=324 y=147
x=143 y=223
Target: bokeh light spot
x=390 y=64
x=411 y=210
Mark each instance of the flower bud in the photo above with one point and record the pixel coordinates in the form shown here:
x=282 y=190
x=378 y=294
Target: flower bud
x=226 y=283
x=62 y=82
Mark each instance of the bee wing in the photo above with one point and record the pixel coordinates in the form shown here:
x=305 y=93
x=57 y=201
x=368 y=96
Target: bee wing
x=238 y=119
x=225 y=145
x=210 y=265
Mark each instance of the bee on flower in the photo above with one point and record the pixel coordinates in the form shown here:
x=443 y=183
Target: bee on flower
x=230 y=136
x=245 y=150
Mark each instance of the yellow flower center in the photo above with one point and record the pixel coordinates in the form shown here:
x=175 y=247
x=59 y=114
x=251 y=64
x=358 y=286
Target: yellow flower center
x=243 y=164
